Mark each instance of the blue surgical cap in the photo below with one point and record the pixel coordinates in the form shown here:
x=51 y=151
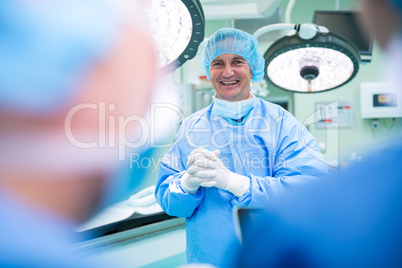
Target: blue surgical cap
x=47 y=47
x=234 y=41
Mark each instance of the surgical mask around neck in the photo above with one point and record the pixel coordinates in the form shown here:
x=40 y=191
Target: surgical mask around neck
x=233 y=110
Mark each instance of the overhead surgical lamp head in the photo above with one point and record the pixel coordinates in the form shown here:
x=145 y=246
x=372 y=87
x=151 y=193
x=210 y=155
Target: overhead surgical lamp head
x=178 y=28
x=309 y=59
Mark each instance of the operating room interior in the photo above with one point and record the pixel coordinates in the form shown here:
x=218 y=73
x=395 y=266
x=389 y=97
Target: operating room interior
x=138 y=231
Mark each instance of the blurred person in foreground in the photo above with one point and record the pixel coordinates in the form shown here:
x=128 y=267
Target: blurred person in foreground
x=354 y=217
x=66 y=69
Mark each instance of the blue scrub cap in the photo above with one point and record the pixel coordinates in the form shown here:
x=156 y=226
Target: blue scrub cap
x=234 y=41
x=46 y=48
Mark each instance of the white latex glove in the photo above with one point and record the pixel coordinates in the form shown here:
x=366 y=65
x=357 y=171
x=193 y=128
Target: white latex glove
x=200 y=154
x=207 y=162
x=196 y=177
x=198 y=173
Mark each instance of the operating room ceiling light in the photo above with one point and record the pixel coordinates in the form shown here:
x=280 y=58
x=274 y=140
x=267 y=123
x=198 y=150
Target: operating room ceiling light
x=310 y=60
x=178 y=27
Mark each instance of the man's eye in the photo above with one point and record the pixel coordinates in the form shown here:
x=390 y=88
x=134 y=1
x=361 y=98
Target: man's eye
x=239 y=62
x=216 y=64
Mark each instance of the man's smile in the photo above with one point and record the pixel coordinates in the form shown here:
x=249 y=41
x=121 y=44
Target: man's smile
x=229 y=83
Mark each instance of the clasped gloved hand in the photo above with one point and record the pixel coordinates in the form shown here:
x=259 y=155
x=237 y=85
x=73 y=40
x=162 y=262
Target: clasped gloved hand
x=208 y=171
x=199 y=173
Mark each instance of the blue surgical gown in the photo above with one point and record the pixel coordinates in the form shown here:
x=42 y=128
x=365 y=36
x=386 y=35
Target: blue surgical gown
x=272 y=148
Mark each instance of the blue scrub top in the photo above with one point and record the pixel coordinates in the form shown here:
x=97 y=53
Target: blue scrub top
x=272 y=148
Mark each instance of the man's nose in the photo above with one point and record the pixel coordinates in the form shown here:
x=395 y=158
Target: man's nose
x=227 y=71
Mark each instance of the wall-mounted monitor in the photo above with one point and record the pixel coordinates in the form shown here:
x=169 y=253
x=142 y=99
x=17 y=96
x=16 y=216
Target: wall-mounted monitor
x=347 y=24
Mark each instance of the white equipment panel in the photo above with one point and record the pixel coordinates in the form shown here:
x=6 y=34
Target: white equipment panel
x=380 y=100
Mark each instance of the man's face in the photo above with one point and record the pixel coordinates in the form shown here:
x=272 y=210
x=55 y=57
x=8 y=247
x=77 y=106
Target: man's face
x=231 y=76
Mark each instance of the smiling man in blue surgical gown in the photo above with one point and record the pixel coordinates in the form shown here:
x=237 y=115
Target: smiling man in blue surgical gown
x=238 y=151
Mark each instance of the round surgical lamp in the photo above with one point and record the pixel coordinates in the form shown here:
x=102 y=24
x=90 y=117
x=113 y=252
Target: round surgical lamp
x=311 y=59
x=178 y=27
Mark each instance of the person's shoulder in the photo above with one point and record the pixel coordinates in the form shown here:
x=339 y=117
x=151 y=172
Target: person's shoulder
x=198 y=117
x=201 y=113
x=271 y=109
